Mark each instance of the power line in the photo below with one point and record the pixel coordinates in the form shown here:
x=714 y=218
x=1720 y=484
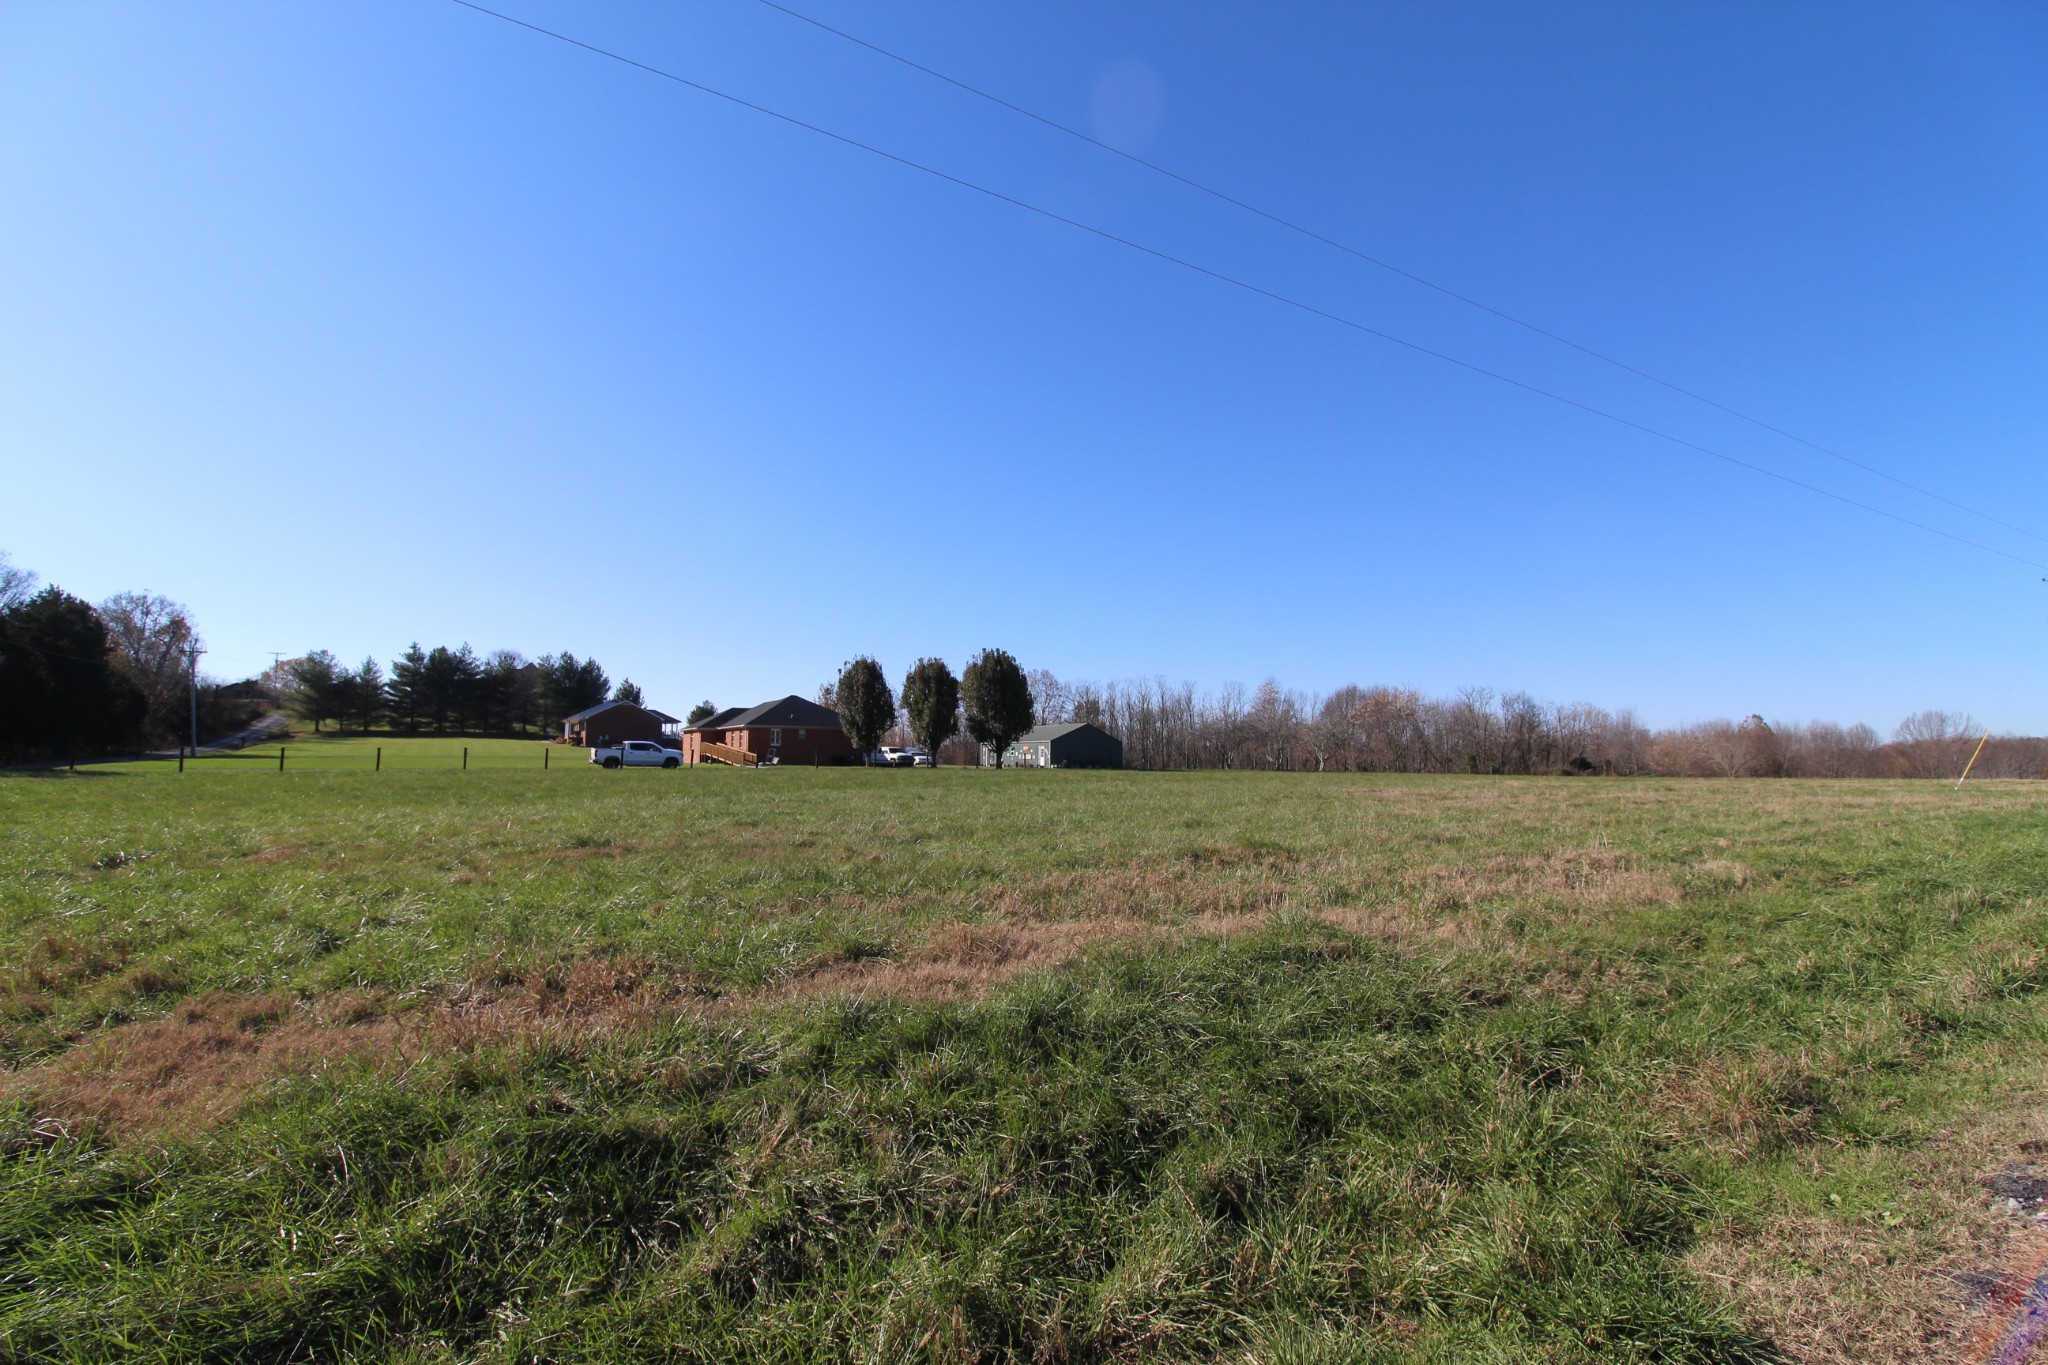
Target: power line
x=1245 y=285
x=5 y=642
x=1389 y=266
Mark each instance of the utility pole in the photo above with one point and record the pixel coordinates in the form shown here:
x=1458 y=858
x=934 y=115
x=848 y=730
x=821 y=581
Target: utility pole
x=196 y=651
x=277 y=677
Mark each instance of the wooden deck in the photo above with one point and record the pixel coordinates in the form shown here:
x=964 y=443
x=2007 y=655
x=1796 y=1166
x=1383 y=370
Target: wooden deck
x=725 y=753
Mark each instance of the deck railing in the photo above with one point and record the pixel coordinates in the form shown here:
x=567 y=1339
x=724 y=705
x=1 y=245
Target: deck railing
x=725 y=753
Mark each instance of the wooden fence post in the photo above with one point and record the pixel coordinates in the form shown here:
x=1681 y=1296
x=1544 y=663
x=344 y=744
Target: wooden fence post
x=380 y=759
x=181 y=758
x=544 y=755
x=465 y=758
x=280 y=758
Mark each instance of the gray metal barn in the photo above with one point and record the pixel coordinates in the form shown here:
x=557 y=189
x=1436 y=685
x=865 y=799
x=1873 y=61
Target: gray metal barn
x=1077 y=745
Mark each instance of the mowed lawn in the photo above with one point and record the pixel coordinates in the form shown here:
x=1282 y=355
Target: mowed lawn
x=712 y=1065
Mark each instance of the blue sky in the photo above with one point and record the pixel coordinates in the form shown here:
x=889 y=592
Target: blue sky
x=355 y=324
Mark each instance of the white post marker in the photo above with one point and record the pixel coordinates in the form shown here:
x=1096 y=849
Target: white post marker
x=1973 y=757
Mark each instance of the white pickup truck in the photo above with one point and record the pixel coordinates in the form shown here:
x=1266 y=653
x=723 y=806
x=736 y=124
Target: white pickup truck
x=637 y=753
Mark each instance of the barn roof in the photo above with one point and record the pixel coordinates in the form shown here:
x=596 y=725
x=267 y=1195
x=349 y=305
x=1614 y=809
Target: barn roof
x=1041 y=733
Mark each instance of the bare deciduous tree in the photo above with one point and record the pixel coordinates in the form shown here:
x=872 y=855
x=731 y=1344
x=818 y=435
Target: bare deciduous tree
x=17 y=584
x=1935 y=743
x=1389 y=729
x=1052 y=701
x=152 y=636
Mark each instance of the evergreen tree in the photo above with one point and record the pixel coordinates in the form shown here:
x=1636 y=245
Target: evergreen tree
x=365 y=693
x=450 y=687
x=629 y=691
x=866 y=709
x=407 y=689
x=528 y=704
x=499 y=683
x=591 y=685
x=467 y=701
x=932 y=697
x=316 y=688
x=997 y=700
x=437 y=688
x=63 y=694
x=703 y=710
x=572 y=685
x=547 y=692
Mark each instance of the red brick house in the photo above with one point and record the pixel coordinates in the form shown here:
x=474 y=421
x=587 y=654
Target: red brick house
x=614 y=722
x=791 y=730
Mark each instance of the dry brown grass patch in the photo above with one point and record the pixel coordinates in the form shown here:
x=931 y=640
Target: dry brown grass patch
x=61 y=962
x=1405 y=923
x=1741 y=1107
x=960 y=961
x=180 y=1074
x=589 y=992
x=1933 y=1287
x=1579 y=879
x=1152 y=893
x=177 y=1075
x=1723 y=872
x=1830 y=1293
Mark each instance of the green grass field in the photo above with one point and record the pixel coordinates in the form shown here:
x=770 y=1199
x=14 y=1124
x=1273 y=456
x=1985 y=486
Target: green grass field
x=950 y=1065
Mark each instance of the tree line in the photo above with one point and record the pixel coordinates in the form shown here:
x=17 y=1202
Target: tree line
x=1167 y=726
x=447 y=691
x=81 y=680
x=1388 y=729
x=85 y=680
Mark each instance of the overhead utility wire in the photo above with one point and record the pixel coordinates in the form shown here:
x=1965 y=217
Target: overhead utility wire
x=1248 y=287
x=1370 y=259
x=6 y=643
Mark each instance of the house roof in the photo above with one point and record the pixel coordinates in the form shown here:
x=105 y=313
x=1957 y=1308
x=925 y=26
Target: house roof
x=1041 y=733
x=788 y=711
x=604 y=706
